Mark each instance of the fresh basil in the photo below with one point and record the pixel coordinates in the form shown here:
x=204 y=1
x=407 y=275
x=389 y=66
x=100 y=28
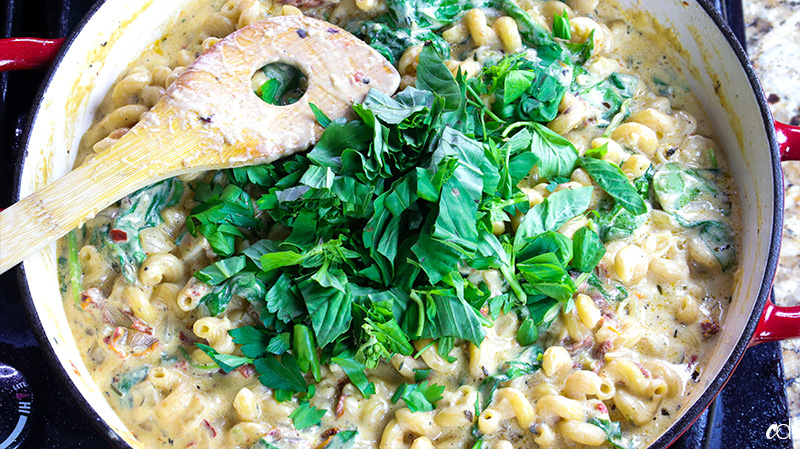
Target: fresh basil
x=611 y=179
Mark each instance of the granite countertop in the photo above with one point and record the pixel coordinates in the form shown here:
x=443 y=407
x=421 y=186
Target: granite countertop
x=773 y=42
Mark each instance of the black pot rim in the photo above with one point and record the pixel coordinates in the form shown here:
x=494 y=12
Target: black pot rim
x=667 y=438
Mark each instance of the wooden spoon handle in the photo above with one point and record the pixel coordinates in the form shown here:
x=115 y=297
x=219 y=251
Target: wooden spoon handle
x=47 y=214
x=208 y=119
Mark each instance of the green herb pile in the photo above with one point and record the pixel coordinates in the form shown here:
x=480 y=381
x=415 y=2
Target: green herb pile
x=385 y=212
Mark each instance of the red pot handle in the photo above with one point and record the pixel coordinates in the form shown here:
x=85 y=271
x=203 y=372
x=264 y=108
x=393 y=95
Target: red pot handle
x=788 y=141
x=777 y=323
x=781 y=323
x=23 y=53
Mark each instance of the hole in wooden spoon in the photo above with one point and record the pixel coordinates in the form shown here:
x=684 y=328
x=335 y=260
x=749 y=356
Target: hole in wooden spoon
x=279 y=84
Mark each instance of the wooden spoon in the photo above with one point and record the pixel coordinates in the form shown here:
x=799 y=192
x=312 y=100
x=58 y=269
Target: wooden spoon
x=208 y=119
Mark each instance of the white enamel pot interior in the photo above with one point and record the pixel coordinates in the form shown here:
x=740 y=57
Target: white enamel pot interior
x=715 y=65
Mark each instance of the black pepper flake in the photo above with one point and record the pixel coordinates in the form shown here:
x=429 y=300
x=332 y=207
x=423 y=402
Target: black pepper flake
x=670 y=152
x=302 y=33
x=333 y=30
x=664 y=412
x=366 y=81
x=205 y=119
x=772 y=99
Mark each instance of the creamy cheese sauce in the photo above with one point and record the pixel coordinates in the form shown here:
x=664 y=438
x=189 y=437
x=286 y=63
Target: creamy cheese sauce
x=630 y=357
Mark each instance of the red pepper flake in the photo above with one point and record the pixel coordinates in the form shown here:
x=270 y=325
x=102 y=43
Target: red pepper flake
x=361 y=78
x=185 y=338
x=710 y=327
x=118 y=235
x=90 y=297
x=340 y=405
x=85 y=297
x=577 y=346
x=141 y=326
x=75 y=369
x=326 y=437
x=114 y=339
x=210 y=428
x=246 y=370
x=600 y=407
x=601 y=349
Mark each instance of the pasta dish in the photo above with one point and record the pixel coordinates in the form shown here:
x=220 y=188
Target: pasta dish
x=531 y=244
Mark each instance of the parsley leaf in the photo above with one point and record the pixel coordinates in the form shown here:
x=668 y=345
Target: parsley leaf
x=254 y=340
x=283 y=299
x=306 y=415
x=222 y=216
x=283 y=374
x=329 y=304
x=278 y=344
x=226 y=362
x=215 y=273
x=356 y=372
x=419 y=397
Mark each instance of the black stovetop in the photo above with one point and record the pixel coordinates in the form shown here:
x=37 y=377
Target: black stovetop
x=753 y=400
